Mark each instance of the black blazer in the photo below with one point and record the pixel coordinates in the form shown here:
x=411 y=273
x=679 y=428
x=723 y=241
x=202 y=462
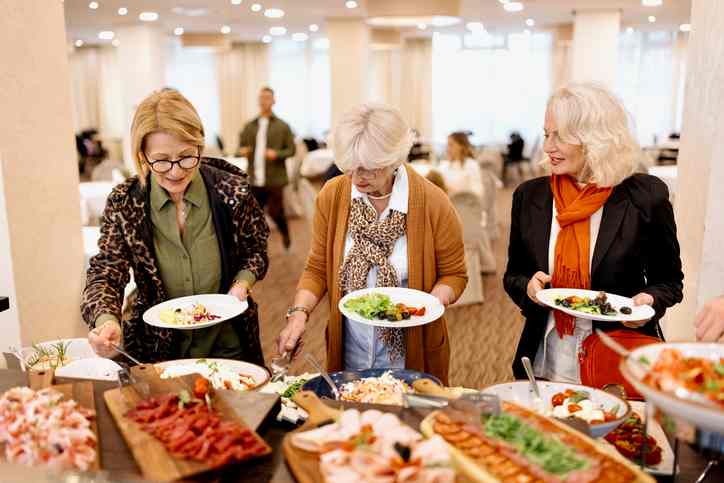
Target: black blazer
x=636 y=251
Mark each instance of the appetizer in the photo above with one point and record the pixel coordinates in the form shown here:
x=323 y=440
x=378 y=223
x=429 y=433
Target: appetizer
x=629 y=440
x=522 y=446
x=377 y=306
x=376 y=447
x=195 y=314
x=597 y=306
x=578 y=404
x=189 y=428
x=673 y=370
x=40 y=429
x=287 y=388
x=385 y=389
x=48 y=356
x=219 y=374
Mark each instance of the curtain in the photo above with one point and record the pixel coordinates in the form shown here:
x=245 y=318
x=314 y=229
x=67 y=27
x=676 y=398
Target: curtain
x=85 y=88
x=241 y=72
x=385 y=76
x=112 y=122
x=417 y=81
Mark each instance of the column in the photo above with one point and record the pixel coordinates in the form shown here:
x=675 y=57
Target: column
x=561 y=58
x=349 y=47
x=594 y=52
x=416 y=100
x=142 y=65
x=41 y=250
x=699 y=201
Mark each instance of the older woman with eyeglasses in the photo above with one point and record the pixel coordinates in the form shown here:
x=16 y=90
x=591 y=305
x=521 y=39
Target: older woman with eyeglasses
x=381 y=225
x=185 y=225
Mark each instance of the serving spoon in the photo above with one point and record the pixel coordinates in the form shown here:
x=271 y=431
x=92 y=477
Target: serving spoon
x=312 y=360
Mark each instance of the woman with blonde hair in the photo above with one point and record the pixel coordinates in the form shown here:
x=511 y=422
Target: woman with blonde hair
x=380 y=225
x=185 y=225
x=592 y=224
x=461 y=170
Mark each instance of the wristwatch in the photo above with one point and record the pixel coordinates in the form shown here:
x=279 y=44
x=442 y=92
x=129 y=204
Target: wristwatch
x=299 y=308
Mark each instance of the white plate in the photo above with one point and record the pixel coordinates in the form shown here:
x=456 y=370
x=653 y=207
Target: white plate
x=640 y=312
x=95 y=368
x=666 y=467
x=183 y=367
x=225 y=306
x=521 y=393
x=702 y=416
x=414 y=298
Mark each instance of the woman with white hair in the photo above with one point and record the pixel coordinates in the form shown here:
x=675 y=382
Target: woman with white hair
x=593 y=224
x=380 y=225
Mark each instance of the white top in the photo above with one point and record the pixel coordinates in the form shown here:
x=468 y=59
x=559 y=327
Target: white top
x=260 y=152
x=557 y=359
x=462 y=178
x=362 y=347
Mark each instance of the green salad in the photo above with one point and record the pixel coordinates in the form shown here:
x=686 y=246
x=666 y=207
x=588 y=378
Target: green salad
x=378 y=306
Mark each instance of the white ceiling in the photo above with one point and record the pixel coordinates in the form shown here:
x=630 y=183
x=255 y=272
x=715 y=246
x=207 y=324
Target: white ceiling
x=84 y=23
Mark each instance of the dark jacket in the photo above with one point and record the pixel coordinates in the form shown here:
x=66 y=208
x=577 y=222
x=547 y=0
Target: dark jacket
x=127 y=243
x=279 y=137
x=636 y=251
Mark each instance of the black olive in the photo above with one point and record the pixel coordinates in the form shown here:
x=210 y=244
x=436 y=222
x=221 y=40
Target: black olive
x=626 y=310
x=403 y=451
x=405 y=315
x=391 y=317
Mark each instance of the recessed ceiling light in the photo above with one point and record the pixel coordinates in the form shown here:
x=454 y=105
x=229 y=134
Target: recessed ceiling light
x=300 y=37
x=266 y=39
x=123 y=11
x=79 y=43
x=116 y=42
x=148 y=16
x=530 y=22
x=685 y=27
x=422 y=26
x=106 y=35
x=513 y=6
x=652 y=19
x=236 y=2
x=256 y=7
x=274 y=13
x=225 y=29
x=652 y=3
x=475 y=26
x=350 y=4
x=93 y=5
x=178 y=31
x=278 y=31
x=314 y=27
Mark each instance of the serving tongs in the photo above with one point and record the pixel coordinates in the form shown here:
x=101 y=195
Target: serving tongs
x=127 y=381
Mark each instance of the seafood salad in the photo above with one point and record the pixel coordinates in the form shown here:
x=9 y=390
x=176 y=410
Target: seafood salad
x=373 y=446
x=579 y=405
x=40 y=429
x=385 y=389
x=195 y=314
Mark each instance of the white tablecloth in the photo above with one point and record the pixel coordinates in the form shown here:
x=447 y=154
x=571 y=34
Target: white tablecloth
x=93 y=197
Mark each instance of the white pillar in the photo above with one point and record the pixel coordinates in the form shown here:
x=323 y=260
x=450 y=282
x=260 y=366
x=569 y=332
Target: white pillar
x=699 y=194
x=349 y=48
x=594 y=53
x=41 y=250
x=142 y=64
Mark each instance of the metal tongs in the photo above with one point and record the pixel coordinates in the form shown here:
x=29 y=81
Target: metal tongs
x=478 y=403
x=127 y=380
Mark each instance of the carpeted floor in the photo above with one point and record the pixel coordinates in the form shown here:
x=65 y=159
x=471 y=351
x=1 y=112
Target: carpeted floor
x=483 y=336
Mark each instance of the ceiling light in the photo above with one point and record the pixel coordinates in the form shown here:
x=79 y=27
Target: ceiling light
x=148 y=16
x=314 y=27
x=350 y=4
x=178 y=31
x=422 y=26
x=255 y=7
x=530 y=22
x=278 y=31
x=116 y=42
x=225 y=29
x=513 y=6
x=652 y=3
x=236 y=2
x=266 y=39
x=652 y=19
x=685 y=27
x=79 y=43
x=123 y=11
x=106 y=35
x=300 y=37
x=274 y=13
x=475 y=26
x=93 y=5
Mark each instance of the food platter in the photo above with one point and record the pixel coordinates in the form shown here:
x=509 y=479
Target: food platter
x=638 y=312
x=218 y=371
x=70 y=358
x=433 y=309
x=221 y=307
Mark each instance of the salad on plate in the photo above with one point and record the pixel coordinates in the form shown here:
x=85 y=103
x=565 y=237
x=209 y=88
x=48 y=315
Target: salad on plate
x=380 y=307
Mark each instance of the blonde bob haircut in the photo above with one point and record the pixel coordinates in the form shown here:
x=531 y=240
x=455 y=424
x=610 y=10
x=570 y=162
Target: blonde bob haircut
x=167 y=111
x=589 y=115
x=371 y=136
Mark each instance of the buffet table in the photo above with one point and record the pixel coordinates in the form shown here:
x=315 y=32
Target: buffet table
x=118 y=463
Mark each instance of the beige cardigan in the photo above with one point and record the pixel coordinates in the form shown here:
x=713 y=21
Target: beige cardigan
x=435 y=254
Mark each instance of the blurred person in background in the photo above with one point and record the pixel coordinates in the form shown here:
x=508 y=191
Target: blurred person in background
x=267 y=142
x=709 y=323
x=461 y=170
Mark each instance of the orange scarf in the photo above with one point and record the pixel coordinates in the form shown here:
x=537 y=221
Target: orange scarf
x=571 y=265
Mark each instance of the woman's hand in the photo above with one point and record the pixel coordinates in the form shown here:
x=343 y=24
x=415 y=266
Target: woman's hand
x=709 y=322
x=443 y=293
x=102 y=337
x=537 y=283
x=291 y=336
x=240 y=289
x=640 y=299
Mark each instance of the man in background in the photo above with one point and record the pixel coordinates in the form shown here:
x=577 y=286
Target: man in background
x=267 y=142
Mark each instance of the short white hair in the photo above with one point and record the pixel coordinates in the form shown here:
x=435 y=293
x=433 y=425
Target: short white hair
x=371 y=136
x=589 y=115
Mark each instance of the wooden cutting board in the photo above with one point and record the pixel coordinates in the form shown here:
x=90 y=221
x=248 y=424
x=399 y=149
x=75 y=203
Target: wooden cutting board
x=153 y=459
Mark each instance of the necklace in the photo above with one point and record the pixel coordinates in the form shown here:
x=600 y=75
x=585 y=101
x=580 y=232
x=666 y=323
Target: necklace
x=383 y=197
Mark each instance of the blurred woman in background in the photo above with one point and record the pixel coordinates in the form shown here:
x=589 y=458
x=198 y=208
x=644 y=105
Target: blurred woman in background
x=461 y=170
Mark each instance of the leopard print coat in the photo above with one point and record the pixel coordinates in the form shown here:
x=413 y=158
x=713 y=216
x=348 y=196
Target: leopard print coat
x=126 y=244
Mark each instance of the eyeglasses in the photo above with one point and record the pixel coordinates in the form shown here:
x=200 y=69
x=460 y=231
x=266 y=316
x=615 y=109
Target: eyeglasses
x=166 y=165
x=366 y=173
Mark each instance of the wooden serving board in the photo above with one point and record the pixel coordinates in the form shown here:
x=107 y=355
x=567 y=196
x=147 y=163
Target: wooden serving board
x=150 y=454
